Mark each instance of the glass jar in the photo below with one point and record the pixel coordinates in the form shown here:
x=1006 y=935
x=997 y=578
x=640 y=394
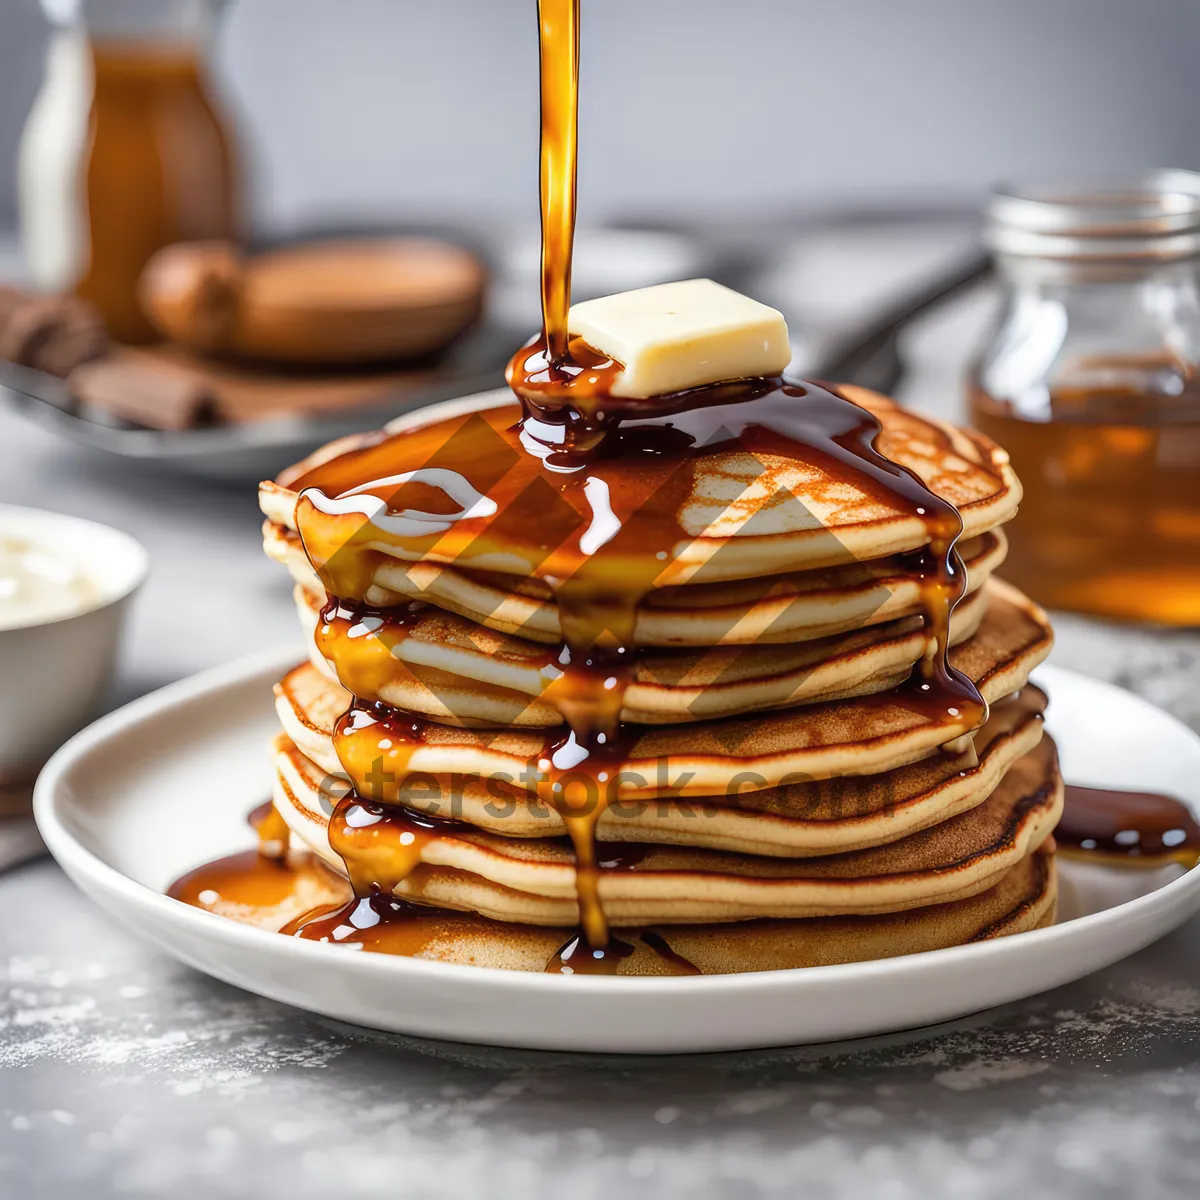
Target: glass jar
x=1090 y=382
x=125 y=150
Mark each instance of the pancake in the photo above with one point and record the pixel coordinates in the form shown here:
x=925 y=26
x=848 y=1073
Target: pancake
x=775 y=609
x=754 y=590
x=799 y=819
x=861 y=736
x=741 y=515
x=446 y=667
x=452 y=865
x=1024 y=899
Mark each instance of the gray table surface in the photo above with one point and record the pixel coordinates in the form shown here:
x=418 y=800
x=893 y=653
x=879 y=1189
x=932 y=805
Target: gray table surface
x=124 y=1073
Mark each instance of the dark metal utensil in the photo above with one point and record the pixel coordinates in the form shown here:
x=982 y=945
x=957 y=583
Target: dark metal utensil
x=870 y=356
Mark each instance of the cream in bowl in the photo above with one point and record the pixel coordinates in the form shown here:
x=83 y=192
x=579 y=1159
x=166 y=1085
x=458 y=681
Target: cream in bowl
x=64 y=587
x=38 y=585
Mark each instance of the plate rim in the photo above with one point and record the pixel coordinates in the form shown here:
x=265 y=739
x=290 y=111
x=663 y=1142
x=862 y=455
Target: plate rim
x=82 y=864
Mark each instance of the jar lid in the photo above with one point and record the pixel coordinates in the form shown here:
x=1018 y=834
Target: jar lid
x=1151 y=216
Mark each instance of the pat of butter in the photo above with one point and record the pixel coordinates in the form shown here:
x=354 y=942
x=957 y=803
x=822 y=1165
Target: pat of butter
x=682 y=335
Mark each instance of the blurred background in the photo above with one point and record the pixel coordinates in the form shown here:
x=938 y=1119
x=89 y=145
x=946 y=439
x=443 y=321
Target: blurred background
x=398 y=108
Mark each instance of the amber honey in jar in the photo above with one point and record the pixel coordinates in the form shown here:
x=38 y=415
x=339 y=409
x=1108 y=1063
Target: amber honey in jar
x=125 y=151
x=1091 y=382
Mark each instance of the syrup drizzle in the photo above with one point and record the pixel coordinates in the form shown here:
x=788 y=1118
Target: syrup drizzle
x=558 y=41
x=262 y=882
x=363 y=642
x=272 y=830
x=1128 y=828
x=375 y=920
x=577 y=957
x=247 y=878
x=382 y=845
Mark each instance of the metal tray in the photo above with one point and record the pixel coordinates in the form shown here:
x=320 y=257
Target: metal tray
x=255 y=450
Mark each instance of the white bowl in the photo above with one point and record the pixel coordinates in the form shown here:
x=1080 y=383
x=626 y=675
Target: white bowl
x=53 y=674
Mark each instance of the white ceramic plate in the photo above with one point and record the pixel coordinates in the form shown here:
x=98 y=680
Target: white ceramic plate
x=166 y=782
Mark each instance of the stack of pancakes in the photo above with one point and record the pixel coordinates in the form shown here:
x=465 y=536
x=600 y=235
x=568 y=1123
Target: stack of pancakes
x=780 y=796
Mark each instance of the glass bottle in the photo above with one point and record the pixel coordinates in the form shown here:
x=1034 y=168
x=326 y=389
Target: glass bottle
x=1090 y=381
x=125 y=150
